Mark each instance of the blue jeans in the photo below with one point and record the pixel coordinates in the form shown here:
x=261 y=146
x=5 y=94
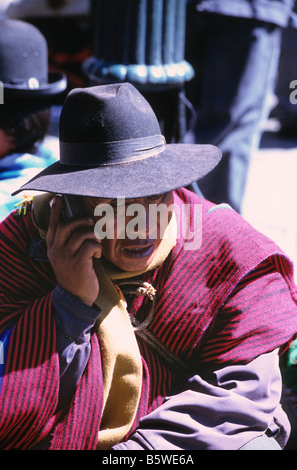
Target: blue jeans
x=236 y=63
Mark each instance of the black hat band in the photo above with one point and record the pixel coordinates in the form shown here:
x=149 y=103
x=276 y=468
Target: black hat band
x=110 y=153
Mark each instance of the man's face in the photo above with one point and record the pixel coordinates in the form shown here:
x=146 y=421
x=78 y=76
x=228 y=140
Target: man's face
x=136 y=235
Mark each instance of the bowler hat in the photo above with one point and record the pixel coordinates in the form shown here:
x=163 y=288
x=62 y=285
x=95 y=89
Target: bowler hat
x=24 y=63
x=111 y=146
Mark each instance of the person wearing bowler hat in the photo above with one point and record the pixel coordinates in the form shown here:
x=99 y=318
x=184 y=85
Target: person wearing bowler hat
x=27 y=89
x=124 y=327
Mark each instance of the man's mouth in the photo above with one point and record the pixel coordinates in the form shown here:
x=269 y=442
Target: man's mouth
x=139 y=251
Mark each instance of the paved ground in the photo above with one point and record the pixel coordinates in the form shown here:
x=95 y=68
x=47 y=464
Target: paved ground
x=270 y=203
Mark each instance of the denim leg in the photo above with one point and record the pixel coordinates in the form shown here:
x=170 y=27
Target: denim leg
x=236 y=68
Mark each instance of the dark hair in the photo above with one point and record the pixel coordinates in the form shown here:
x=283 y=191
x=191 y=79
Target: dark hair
x=26 y=125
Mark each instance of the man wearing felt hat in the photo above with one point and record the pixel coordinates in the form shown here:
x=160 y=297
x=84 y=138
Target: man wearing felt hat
x=139 y=339
x=27 y=88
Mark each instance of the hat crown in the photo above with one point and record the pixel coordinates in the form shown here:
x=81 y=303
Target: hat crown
x=23 y=54
x=107 y=113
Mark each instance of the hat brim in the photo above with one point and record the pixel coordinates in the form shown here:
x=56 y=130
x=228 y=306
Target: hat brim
x=178 y=166
x=57 y=83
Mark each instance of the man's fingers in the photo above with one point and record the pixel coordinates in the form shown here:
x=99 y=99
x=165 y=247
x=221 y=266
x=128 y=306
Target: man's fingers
x=90 y=249
x=82 y=234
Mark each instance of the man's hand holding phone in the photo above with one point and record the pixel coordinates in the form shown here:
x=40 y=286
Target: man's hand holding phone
x=72 y=245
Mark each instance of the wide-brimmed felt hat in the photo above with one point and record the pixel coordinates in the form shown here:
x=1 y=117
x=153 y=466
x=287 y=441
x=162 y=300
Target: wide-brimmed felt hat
x=111 y=146
x=24 y=63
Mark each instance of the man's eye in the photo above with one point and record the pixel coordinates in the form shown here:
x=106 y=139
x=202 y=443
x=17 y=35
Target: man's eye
x=117 y=204
x=156 y=197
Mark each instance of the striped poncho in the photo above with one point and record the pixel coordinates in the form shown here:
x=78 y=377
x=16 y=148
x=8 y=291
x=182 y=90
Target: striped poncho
x=209 y=310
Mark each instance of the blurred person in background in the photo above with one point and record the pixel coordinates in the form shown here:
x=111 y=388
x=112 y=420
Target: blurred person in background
x=234 y=47
x=25 y=113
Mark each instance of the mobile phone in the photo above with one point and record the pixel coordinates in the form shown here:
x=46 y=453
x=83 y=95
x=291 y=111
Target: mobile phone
x=71 y=206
